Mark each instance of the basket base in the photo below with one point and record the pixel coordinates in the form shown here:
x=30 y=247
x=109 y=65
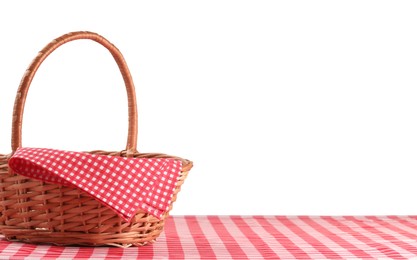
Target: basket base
x=123 y=240
x=39 y=212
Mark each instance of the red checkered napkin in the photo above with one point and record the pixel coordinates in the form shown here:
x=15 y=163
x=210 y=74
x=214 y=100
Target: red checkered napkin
x=123 y=184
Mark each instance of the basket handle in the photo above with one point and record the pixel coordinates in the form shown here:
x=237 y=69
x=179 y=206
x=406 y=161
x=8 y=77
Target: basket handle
x=43 y=54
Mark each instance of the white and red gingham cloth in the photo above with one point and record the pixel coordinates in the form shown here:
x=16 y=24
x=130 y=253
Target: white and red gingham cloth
x=254 y=237
x=123 y=184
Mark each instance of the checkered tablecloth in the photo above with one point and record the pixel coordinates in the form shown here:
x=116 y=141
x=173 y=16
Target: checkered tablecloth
x=254 y=237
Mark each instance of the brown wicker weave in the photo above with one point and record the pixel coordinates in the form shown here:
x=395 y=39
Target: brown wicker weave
x=39 y=212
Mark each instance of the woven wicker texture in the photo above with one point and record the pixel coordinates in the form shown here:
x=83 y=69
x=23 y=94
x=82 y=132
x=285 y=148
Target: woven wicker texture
x=39 y=212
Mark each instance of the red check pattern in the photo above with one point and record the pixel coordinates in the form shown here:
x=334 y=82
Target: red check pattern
x=123 y=184
x=254 y=237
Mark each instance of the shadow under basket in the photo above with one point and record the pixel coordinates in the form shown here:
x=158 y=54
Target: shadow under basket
x=39 y=212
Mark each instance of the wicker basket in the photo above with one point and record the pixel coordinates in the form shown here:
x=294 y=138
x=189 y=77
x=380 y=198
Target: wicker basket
x=39 y=212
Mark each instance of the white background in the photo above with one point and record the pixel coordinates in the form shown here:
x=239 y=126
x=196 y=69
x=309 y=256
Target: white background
x=285 y=107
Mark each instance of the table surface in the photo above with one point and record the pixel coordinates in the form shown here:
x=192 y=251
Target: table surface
x=254 y=237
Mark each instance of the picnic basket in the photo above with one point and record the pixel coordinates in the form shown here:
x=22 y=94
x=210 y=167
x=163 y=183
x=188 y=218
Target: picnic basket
x=38 y=212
